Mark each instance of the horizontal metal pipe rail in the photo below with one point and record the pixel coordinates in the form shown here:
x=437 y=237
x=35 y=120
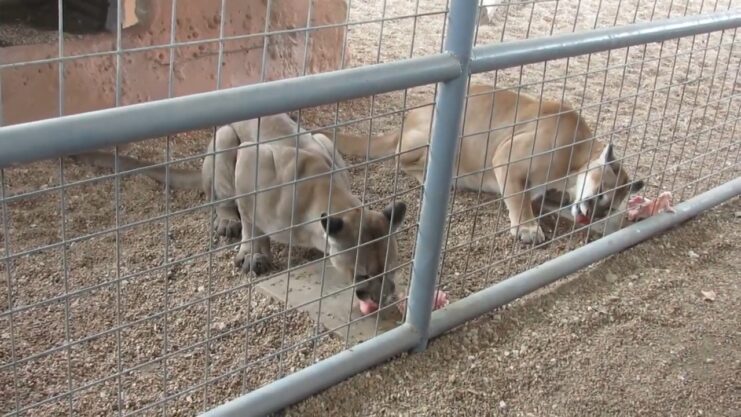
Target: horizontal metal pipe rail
x=529 y=51
x=28 y=142
x=49 y=138
x=319 y=376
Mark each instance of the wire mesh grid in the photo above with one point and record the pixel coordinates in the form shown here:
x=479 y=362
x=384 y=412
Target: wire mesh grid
x=154 y=317
x=670 y=109
x=120 y=299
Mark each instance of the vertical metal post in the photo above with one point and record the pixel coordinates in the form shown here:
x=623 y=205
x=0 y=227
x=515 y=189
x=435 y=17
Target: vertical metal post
x=1 y=98
x=443 y=147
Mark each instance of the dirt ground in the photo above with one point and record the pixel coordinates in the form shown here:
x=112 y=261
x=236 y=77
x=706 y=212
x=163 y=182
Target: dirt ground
x=153 y=316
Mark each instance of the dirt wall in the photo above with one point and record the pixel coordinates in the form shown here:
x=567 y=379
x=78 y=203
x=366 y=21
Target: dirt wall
x=30 y=92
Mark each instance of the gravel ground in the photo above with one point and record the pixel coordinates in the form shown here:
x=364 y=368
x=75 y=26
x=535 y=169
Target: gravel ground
x=656 y=106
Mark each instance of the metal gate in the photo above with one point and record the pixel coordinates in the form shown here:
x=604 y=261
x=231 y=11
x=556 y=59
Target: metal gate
x=451 y=70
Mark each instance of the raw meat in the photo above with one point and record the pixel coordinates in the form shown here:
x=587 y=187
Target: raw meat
x=640 y=207
x=441 y=300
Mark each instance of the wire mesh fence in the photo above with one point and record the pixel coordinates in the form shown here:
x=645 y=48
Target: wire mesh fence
x=131 y=286
x=669 y=108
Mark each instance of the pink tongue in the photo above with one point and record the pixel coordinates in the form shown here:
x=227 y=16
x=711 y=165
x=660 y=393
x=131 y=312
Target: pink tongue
x=367 y=306
x=582 y=219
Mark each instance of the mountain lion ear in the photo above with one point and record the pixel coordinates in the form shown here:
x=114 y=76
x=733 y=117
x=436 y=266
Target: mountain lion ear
x=331 y=225
x=607 y=156
x=394 y=213
x=636 y=186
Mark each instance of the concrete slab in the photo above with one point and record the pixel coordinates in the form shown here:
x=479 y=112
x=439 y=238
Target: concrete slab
x=304 y=290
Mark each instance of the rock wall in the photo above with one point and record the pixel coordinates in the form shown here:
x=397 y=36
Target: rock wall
x=30 y=92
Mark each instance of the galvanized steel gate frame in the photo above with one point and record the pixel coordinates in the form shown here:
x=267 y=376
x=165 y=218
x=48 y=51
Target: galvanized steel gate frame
x=452 y=68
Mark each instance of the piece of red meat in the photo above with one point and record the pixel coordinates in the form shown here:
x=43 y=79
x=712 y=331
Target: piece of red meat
x=640 y=207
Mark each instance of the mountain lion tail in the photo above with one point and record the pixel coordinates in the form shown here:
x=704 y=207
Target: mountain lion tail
x=357 y=145
x=178 y=178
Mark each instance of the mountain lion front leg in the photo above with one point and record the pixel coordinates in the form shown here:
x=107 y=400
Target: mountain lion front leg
x=221 y=168
x=512 y=180
x=254 y=255
x=254 y=252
